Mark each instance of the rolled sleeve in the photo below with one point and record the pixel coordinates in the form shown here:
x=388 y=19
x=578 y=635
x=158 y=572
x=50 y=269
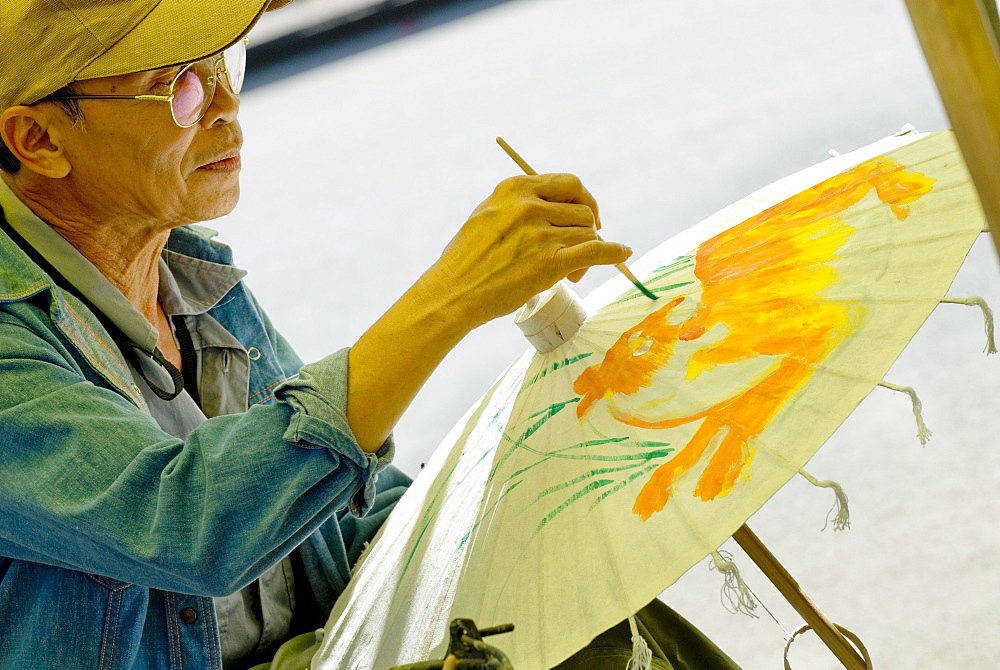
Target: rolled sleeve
x=319 y=397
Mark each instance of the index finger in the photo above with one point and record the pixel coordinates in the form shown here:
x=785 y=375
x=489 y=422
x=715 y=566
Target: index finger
x=567 y=188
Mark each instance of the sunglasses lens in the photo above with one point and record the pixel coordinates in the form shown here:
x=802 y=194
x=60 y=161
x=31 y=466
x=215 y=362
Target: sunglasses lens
x=194 y=87
x=192 y=94
x=234 y=61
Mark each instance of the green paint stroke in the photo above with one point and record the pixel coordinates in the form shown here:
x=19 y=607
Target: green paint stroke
x=582 y=478
x=496 y=417
x=643 y=462
x=653 y=450
x=551 y=411
x=648 y=458
x=656 y=451
x=544 y=415
x=662 y=289
x=487 y=512
x=680 y=263
x=593 y=486
x=628 y=461
x=622 y=484
x=431 y=510
x=556 y=366
x=558 y=453
x=659 y=274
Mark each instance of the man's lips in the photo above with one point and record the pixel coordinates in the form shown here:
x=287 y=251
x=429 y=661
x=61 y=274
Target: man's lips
x=232 y=163
x=227 y=161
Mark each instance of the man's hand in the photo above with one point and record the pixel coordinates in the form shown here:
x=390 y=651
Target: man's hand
x=532 y=232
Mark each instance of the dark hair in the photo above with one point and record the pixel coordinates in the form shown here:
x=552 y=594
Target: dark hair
x=8 y=161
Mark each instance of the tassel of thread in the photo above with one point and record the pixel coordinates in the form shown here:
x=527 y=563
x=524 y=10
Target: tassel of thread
x=840 y=511
x=923 y=432
x=642 y=656
x=736 y=595
x=991 y=347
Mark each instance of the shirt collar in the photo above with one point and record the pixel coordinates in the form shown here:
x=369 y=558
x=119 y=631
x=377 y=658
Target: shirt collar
x=190 y=285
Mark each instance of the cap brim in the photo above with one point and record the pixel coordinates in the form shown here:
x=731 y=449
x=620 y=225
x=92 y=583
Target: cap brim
x=177 y=31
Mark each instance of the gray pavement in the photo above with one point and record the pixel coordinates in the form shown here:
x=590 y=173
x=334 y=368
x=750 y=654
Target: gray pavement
x=358 y=171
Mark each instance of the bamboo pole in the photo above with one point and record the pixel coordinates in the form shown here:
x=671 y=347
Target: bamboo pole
x=993 y=12
x=798 y=599
x=961 y=49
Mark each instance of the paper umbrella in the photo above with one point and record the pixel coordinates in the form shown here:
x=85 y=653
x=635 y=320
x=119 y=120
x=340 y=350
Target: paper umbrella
x=596 y=471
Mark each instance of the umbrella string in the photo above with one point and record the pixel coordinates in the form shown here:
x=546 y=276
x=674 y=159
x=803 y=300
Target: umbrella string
x=770 y=614
x=977 y=301
x=840 y=511
x=737 y=596
x=642 y=656
x=923 y=432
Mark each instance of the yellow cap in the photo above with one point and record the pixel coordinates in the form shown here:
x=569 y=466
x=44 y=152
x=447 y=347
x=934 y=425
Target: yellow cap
x=47 y=44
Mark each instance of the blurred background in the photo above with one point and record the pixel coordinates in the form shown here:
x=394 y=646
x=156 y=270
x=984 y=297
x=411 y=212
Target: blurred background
x=369 y=139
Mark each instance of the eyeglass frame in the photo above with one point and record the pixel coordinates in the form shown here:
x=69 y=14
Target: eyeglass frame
x=217 y=58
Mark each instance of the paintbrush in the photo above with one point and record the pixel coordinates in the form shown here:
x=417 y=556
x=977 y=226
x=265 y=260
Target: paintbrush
x=521 y=163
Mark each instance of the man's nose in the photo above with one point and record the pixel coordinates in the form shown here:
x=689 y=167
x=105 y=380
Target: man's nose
x=225 y=106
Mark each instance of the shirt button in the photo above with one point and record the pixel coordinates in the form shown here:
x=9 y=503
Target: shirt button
x=253 y=353
x=189 y=615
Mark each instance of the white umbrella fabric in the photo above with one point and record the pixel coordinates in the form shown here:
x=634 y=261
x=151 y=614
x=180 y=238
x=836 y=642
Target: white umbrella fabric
x=591 y=476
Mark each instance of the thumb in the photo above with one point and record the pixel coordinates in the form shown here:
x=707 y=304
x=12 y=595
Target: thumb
x=594 y=252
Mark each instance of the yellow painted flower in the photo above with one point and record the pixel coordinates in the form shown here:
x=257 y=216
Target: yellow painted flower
x=731 y=355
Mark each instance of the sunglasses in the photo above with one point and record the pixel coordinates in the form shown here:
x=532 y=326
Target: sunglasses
x=193 y=88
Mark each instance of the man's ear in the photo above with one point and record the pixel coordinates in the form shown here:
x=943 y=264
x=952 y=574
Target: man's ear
x=36 y=140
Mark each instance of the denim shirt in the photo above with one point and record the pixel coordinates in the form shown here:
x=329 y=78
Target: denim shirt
x=114 y=535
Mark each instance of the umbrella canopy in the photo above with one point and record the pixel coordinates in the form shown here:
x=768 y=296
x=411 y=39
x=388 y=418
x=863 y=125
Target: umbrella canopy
x=592 y=476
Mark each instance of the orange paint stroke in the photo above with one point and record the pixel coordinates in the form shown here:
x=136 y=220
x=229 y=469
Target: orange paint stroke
x=761 y=285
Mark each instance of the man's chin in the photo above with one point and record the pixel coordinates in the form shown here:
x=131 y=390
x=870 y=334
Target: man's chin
x=214 y=206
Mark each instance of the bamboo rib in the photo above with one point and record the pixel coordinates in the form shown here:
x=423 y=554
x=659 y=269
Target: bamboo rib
x=797 y=598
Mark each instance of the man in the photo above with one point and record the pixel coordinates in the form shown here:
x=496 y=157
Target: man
x=176 y=488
